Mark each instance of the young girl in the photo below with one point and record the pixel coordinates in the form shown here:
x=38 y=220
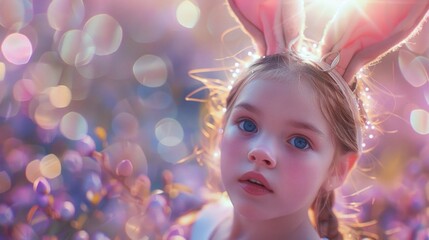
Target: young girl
x=292 y=126
x=290 y=135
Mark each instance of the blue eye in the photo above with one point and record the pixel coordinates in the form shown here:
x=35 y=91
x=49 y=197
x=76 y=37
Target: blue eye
x=300 y=143
x=247 y=126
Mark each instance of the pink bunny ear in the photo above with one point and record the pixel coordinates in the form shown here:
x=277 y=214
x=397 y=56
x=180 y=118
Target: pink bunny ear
x=273 y=25
x=364 y=32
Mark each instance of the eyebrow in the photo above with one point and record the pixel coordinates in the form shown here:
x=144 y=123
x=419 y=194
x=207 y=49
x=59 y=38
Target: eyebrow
x=293 y=123
x=248 y=107
x=305 y=126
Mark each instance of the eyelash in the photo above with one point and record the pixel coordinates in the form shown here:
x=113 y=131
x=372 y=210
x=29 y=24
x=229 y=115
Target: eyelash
x=241 y=126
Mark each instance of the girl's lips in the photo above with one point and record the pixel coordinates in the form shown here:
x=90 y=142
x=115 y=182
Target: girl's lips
x=249 y=180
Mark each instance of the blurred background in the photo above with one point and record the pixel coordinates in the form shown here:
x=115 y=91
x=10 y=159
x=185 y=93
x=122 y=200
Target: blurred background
x=93 y=120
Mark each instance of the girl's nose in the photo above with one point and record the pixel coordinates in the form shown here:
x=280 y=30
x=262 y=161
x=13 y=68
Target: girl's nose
x=262 y=157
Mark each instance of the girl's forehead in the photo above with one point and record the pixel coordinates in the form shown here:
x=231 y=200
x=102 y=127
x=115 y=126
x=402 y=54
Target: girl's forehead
x=285 y=84
x=291 y=79
x=280 y=96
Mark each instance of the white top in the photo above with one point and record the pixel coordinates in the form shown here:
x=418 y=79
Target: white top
x=210 y=217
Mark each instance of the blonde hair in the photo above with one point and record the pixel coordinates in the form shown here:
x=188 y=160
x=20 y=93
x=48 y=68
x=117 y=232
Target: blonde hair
x=338 y=104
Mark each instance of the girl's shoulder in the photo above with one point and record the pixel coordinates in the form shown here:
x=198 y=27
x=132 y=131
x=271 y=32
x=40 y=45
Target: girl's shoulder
x=202 y=223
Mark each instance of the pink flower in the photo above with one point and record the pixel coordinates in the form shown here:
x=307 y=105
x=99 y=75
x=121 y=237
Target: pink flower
x=124 y=168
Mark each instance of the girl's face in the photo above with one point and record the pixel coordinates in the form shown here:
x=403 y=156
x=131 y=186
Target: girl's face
x=276 y=149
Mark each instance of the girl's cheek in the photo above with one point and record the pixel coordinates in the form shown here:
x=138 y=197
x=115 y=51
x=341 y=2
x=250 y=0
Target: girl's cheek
x=231 y=140
x=226 y=139
x=306 y=172
x=229 y=133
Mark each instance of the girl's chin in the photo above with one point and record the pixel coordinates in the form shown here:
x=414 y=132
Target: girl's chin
x=251 y=213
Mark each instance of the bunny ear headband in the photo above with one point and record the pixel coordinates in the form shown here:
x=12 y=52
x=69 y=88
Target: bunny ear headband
x=361 y=32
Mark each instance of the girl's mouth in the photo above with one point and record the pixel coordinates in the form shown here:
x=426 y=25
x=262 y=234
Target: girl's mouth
x=255 y=183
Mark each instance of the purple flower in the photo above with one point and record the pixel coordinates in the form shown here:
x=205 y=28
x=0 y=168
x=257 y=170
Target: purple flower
x=6 y=215
x=124 y=168
x=67 y=211
x=81 y=235
x=41 y=186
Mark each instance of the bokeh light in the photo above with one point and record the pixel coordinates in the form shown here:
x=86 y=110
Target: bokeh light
x=60 y=96
x=17 y=48
x=413 y=68
x=158 y=100
x=5 y=182
x=50 y=166
x=419 y=120
x=101 y=133
x=15 y=14
x=6 y=215
x=2 y=71
x=81 y=235
x=169 y=132
x=188 y=14
x=95 y=69
x=150 y=70
x=72 y=161
x=134 y=228
x=76 y=47
x=426 y=94
x=63 y=15
x=74 y=126
x=9 y=108
x=45 y=74
x=173 y=154
x=92 y=182
x=32 y=171
x=106 y=33
x=24 y=90
x=17 y=159
x=46 y=116
x=125 y=125
x=67 y=211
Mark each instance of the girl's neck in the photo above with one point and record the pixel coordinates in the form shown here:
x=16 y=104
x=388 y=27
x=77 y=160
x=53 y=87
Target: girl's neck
x=290 y=227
